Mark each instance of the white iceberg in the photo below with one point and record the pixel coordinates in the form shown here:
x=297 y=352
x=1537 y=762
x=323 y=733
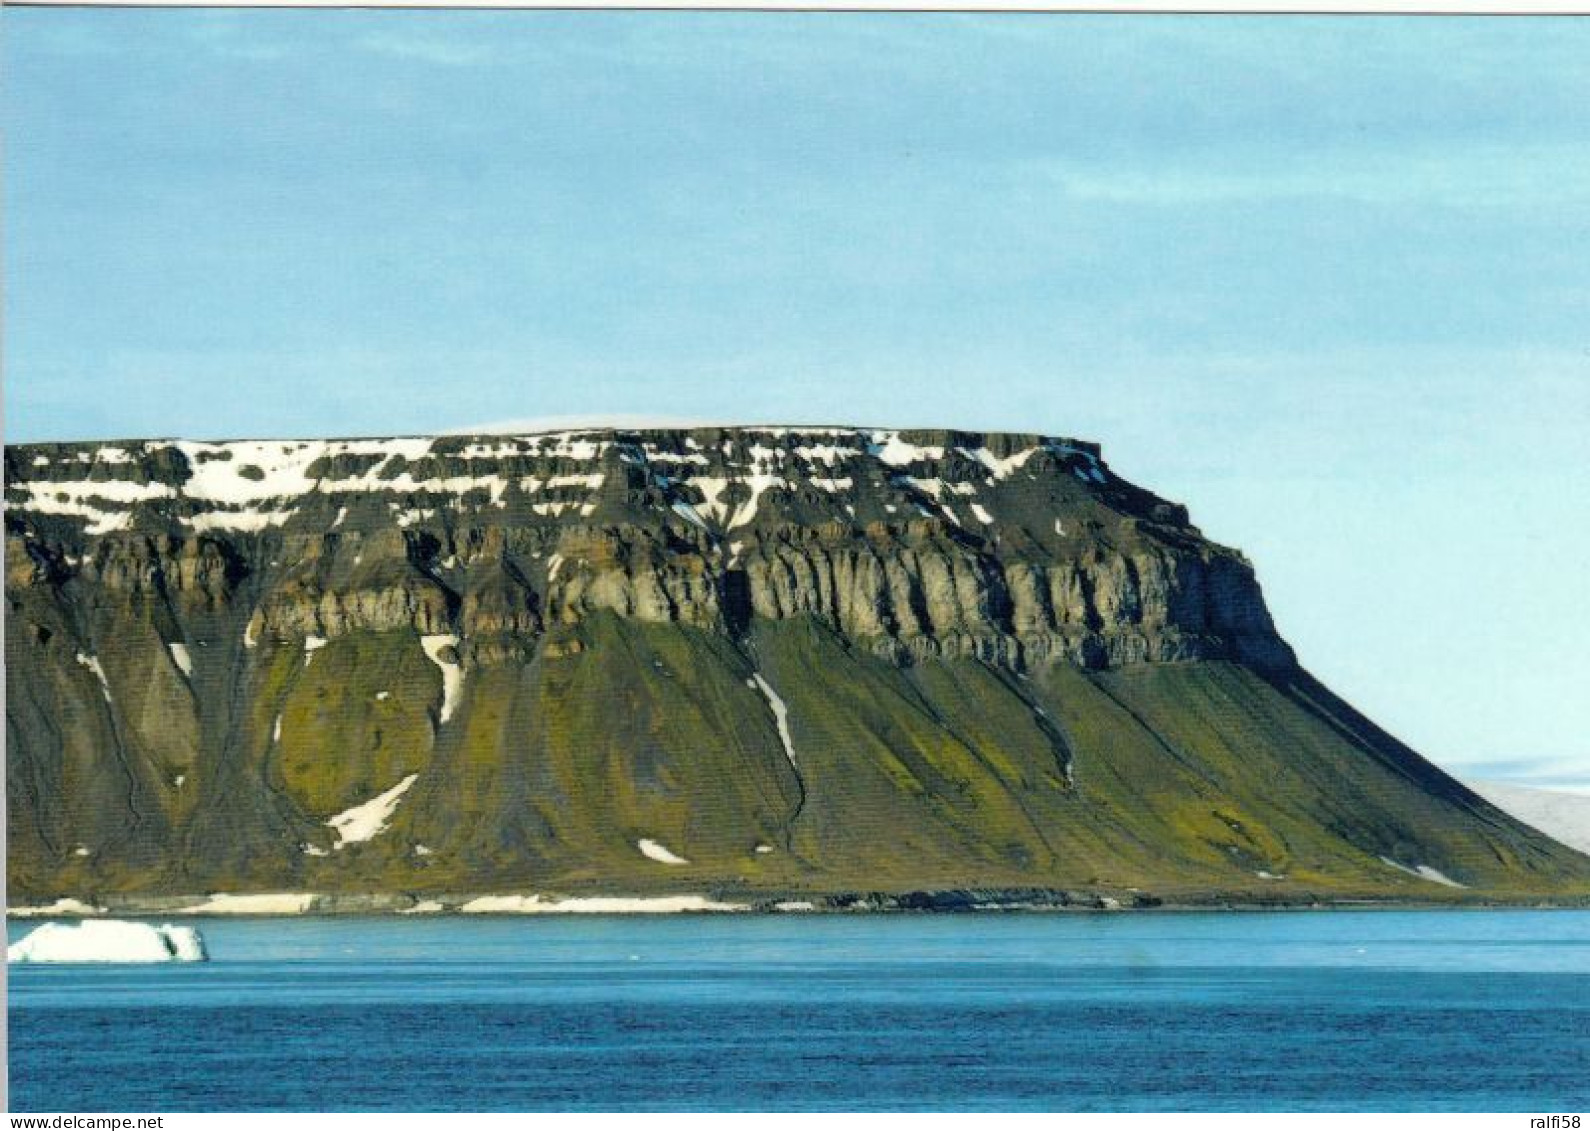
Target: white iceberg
x=108 y=940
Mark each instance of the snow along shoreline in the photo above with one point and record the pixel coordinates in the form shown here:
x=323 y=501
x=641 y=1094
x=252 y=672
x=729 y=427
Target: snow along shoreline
x=310 y=903
x=299 y=904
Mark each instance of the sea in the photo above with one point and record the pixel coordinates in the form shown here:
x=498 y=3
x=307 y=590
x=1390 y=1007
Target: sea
x=1137 y=1011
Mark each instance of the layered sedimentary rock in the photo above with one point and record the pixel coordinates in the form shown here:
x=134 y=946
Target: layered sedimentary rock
x=798 y=659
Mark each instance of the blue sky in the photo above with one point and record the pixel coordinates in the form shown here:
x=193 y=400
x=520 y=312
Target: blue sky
x=1326 y=280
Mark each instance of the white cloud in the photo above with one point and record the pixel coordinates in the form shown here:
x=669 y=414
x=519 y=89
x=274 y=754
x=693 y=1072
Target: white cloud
x=1466 y=176
x=435 y=50
x=231 y=35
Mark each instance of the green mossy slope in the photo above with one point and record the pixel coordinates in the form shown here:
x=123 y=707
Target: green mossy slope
x=1184 y=781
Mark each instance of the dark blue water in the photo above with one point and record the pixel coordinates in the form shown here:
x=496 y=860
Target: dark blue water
x=1377 y=1010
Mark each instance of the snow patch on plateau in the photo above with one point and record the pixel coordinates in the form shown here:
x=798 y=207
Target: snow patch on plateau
x=125 y=492
x=180 y=656
x=696 y=458
x=759 y=483
x=711 y=488
x=68 y=499
x=245 y=522
x=888 y=447
x=251 y=486
x=933 y=487
x=590 y=482
x=1000 y=467
x=415 y=514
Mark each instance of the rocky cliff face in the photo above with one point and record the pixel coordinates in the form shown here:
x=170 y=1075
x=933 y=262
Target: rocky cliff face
x=1013 y=549
x=476 y=661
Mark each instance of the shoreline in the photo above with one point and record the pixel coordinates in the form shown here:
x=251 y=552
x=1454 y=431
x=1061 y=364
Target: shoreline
x=499 y=905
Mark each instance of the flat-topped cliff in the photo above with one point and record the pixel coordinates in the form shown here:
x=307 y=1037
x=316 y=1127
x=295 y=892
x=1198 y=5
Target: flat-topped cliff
x=778 y=659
